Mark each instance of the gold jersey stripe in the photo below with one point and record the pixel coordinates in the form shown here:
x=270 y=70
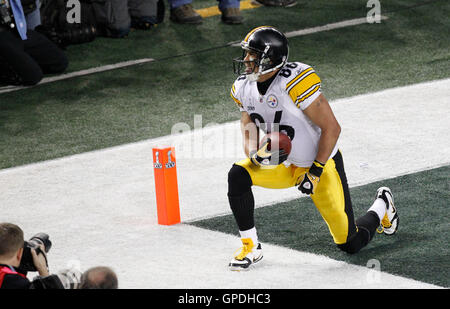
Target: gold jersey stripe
x=303 y=86
x=236 y=100
x=233 y=89
x=300 y=80
x=307 y=93
x=301 y=99
x=298 y=77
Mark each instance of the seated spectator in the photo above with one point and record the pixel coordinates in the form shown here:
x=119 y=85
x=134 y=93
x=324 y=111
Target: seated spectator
x=26 y=55
x=99 y=277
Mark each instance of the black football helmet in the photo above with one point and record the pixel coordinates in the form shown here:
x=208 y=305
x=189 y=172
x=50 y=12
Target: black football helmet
x=271 y=47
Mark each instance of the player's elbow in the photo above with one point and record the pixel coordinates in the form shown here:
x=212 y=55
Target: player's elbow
x=337 y=130
x=333 y=130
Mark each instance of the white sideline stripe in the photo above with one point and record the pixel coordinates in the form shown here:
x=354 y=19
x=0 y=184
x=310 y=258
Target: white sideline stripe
x=104 y=68
x=101 y=203
x=332 y=26
x=327 y=27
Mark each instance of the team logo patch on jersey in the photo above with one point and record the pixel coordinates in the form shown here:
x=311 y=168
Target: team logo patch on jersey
x=272 y=101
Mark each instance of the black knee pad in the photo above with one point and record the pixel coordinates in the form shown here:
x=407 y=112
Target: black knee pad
x=355 y=243
x=239 y=181
x=367 y=225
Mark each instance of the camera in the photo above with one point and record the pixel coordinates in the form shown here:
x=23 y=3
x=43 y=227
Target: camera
x=78 y=35
x=26 y=264
x=69 y=35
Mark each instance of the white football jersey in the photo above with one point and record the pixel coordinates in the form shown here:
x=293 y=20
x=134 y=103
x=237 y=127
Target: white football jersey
x=294 y=88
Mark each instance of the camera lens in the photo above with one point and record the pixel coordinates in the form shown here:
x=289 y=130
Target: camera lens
x=41 y=238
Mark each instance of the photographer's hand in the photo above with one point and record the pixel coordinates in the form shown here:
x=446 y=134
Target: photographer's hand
x=40 y=262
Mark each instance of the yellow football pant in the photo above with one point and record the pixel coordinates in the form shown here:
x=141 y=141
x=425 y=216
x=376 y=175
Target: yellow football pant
x=331 y=196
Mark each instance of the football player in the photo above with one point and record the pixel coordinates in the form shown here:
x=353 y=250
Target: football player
x=274 y=94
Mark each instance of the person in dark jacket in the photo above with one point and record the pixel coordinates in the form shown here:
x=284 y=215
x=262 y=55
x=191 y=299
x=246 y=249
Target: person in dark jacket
x=11 y=251
x=26 y=55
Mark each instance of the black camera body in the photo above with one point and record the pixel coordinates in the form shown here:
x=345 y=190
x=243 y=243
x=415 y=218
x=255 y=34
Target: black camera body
x=68 y=34
x=26 y=264
x=56 y=27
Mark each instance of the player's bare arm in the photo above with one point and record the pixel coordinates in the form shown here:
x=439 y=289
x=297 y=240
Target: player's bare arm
x=321 y=114
x=250 y=133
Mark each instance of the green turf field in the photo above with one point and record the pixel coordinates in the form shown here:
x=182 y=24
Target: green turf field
x=193 y=74
x=419 y=249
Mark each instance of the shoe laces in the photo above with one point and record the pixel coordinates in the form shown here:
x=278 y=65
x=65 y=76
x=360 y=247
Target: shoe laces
x=245 y=250
x=385 y=223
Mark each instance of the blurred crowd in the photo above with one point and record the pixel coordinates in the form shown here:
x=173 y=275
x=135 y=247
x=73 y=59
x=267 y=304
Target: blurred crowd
x=35 y=33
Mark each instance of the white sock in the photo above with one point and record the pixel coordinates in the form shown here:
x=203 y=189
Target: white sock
x=251 y=233
x=379 y=206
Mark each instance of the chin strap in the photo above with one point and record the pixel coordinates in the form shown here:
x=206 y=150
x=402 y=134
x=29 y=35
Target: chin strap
x=253 y=77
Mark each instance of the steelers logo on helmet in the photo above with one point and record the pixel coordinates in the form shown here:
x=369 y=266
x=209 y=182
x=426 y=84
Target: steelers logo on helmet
x=271 y=47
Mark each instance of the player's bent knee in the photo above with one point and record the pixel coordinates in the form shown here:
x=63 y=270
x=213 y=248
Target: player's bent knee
x=356 y=243
x=349 y=247
x=239 y=181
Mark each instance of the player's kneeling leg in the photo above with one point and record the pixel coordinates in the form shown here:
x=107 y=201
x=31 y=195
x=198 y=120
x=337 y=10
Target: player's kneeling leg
x=240 y=196
x=367 y=225
x=354 y=244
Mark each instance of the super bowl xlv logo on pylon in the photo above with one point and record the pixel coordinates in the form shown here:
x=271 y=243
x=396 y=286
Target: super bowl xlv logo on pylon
x=157 y=164
x=170 y=163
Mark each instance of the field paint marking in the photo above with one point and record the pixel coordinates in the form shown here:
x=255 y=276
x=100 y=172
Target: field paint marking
x=214 y=10
x=327 y=27
x=332 y=26
x=99 y=69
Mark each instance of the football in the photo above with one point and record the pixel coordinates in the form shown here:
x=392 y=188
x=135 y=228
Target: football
x=278 y=141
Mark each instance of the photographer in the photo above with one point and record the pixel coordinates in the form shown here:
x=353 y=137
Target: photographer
x=17 y=257
x=25 y=55
x=11 y=251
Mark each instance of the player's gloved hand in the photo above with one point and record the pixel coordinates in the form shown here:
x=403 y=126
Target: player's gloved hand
x=264 y=156
x=311 y=179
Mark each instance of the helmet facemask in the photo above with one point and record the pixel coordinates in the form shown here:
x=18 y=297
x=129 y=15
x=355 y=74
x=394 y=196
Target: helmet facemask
x=251 y=67
x=262 y=64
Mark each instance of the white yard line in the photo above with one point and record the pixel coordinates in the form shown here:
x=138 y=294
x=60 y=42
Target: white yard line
x=99 y=69
x=332 y=26
x=99 y=207
x=327 y=27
